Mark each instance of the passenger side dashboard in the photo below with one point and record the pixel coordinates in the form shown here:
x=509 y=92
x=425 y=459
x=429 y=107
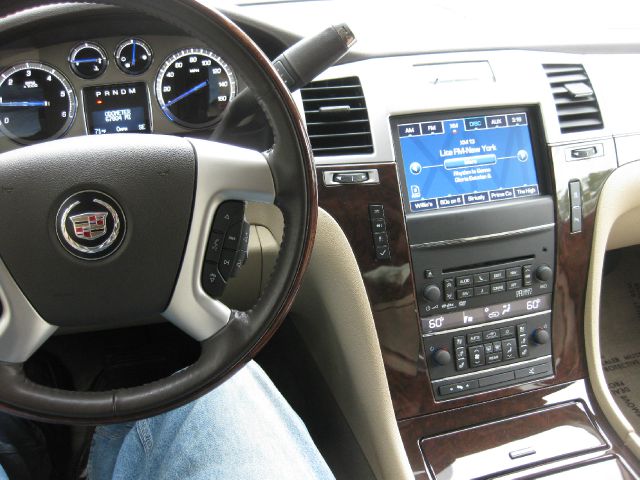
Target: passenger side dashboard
x=576 y=156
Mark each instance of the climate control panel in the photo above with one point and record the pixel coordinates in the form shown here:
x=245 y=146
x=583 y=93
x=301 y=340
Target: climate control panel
x=488 y=354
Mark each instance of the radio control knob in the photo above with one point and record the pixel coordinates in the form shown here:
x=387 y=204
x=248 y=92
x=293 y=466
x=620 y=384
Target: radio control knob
x=540 y=336
x=544 y=273
x=441 y=356
x=431 y=293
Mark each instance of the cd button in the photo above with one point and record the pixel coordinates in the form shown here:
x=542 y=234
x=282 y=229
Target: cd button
x=483 y=290
x=464 y=281
x=480 y=278
x=464 y=293
x=514 y=284
x=515 y=272
x=497 y=275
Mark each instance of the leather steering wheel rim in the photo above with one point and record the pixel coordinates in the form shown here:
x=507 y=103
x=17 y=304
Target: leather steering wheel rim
x=245 y=333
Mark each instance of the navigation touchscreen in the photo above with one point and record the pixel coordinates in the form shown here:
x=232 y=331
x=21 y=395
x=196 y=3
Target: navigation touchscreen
x=467 y=160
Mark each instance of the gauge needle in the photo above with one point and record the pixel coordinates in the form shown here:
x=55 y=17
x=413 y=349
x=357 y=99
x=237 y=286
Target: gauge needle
x=133 y=53
x=86 y=60
x=34 y=103
x=187 y=93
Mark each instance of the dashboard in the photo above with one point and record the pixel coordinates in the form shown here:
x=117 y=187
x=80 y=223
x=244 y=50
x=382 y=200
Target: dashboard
x=117 y=84
x=467 y=191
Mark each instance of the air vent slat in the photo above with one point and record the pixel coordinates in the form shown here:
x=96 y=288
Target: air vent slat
x=577 y=107
x=336 y=115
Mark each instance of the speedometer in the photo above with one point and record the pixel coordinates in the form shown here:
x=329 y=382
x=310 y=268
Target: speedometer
x=194 y=86
x=36 y=102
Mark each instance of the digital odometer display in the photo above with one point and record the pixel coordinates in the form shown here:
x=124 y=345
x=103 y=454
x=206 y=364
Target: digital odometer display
x=36 y=103
x=194 y=86
x=467 y=160
x=121 y=108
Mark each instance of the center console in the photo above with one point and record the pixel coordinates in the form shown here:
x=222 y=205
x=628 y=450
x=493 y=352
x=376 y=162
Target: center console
x=480 y=223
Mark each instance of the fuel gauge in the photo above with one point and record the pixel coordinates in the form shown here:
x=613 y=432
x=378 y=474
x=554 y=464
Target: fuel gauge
x=133 y=56
x=88 y=60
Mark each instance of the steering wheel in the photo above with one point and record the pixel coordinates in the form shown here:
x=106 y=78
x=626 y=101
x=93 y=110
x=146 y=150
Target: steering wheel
x=160 y=196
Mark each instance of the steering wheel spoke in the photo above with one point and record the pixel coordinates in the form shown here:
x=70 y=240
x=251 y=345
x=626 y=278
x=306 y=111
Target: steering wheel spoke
x=22 y=329
x=226 y=175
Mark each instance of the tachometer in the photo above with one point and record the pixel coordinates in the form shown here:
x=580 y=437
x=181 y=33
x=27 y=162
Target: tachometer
x=36 y=102
x=194 y=86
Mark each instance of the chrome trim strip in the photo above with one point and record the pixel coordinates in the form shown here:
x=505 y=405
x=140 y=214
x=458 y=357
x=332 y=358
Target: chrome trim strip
x=484 y=324
x=482 y=238
x=374 y=177
x=495 y=369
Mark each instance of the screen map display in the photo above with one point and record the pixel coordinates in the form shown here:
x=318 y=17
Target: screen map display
x=122 y=108
x=468 y=160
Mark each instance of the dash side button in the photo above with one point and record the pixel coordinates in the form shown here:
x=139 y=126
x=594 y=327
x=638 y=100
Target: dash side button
x=376 y=211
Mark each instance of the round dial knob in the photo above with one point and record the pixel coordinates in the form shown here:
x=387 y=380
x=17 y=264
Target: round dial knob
x=431 y=293
x=544 y=273
x=541 y=336
x=441 y=356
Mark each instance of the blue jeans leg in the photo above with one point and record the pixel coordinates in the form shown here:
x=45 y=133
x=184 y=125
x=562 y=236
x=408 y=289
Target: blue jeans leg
x=243 y=429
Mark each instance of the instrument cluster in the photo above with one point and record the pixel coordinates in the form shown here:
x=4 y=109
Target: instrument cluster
x=190 y=86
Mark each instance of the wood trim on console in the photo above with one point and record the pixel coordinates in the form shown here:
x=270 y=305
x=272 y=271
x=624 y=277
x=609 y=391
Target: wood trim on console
x=390 y=287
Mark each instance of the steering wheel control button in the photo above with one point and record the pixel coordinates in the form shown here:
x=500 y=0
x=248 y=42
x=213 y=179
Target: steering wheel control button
x=214 y=246
x=227 y=248
x=228 y=213
x=212 y=282
x=90 y=225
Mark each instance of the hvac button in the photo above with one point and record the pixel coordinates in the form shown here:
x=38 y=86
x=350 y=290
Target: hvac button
x=476 y=356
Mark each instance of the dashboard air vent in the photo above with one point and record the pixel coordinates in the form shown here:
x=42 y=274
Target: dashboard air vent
x=336 y=116
x=575 y=99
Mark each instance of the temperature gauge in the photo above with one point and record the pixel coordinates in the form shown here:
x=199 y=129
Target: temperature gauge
x=88 y=60
x=133 y=56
